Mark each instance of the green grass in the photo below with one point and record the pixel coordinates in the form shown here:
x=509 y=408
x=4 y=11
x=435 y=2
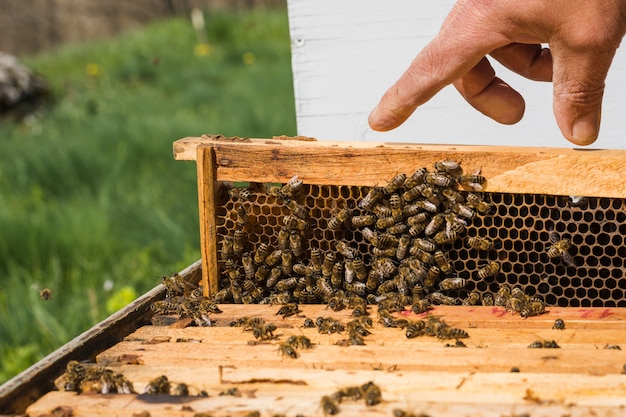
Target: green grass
x=92 y=204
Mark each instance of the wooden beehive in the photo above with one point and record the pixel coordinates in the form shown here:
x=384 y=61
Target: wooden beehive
x=495 y=372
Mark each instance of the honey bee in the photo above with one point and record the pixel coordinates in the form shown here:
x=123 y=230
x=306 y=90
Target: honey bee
x=381 y=210
x=533 y=308
x=336 y=303
x=473 y=299
x=286 y=284
x=425 y=244
x=298 y=210
x=291 y=188
x=403 y=247
x=239 y=193
x=474 y=181
x=397 y=229
x=560 y=248
x=288 y=310
x=420 y=306
x=448 y=284
x=373 y=195
x=386 y=286
x=431 y=278
x=503 y=295
x=345 y=250
x=227 y=247
x=444 y=237
x=372 y=393
x=239 y=240
x=352 y=393
x=544 y=344
x=340 y=218
x=438 y=179
x=417 y=229
x=449 y=332
x=612 y=347
x=349 y=271
x=45 y=294
x=385 y=222
x=294 y=223
x=416 y=178
x=441 y=299
x=421 y=255
x=363 y=220
x=559 y=324
x=283 y=238
x=395 y=203
x=299 y=341
x=262 y=273
x=288 y=350
x=358 y=288
x=325 y=288
x=449 y=167
x=327 y=264
x=453 y=196
x=384 y=266
x=329 y=407
x=360 y=270
x=248 y=266
x=336 y=275
x=480 y=243
x=478 y=203
x=243 y=219
x=514 y=305
x=262 y=250
x=443 y=263
x=158 y=385
x=328 y=325
x=491 y=269
x=487 y=299
x=286 y=261
x=415 y=329
x=463 y=211
x=316 y=259
x=395 y=183
x=274 y=257
x=427 y=205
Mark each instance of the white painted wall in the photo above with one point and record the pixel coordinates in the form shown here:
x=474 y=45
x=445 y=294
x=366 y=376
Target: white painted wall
x=346 y=53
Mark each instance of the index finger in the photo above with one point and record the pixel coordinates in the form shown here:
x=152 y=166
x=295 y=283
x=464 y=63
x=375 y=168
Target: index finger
x=457 y=48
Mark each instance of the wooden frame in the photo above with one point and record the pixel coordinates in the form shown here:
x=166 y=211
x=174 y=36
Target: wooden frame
x=519 y=170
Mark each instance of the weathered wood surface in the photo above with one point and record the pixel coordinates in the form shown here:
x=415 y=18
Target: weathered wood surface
x=420 y=375
x=20 y=391
x=523 y=170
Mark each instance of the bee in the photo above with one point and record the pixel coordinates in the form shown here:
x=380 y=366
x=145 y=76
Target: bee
x=299 y=341
x=336 y=303
x=336 y=275
x=283 y=238
x=503 y=295
x=327 y=264
x=381 y=210
x=480 y=243
x=487 y=299
x=432 y=276
x=352 y=393
x=478 y=203
x=280 y=298
x=415 y=329
x=448 y=332
x=560 y=248
x=473 y=299
x=612 y=347
x=386 y=286
x=287 y=349
x=248 y=266
x=316 y=259
x=444 y=237
x=397 y=229
x=45 y=294
x=328 y=325
x=298 y=210
x=453 y=196
x=421 y=255
x=449 y=167
x=294 y=223
x=372 y=393
x=329 y=407
x=544 y=344
x=416 y=178
x=158 y=385
x=308 y=323
x=239 y=193
x=325 y=288
x=454 y=223
x=243 y=219
x=274 y=257
x=442 y=262
x=349 y=271
x=360 y=270
x=340 y=218
x=385 y=222
x=491 y=269
x=420 y=306
x=358 y=288
x=288 y=310
x=513 y=304
x=291 y=188
x=425 y=244
x=427 y=205
x=403 y=247
x=448 y=284
x=356 y=327
x=418 y=219
x=363 y=220
x=345 y=250
x=384 y=266
x=373 y=195
x=474 y=180
x=262 y=250
x=222 y=295
x=435 y=224
x=395 y=203
x=262 y=273
x=286 y=261
x=239 y=240
x=463 y=211
x=227 y=248
x=286 y=284
x=438 y=179
x=395 y=183
x=440 y=299
x=559 y=324
x=534 y=308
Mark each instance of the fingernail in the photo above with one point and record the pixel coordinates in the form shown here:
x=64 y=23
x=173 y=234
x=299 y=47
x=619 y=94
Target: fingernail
x=585 y=129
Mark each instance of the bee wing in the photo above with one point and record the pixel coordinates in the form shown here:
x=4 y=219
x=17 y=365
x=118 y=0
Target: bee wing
x=568 y=259
x=476 y=186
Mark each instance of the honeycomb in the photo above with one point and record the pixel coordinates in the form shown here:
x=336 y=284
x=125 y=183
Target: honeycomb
x=522 y=227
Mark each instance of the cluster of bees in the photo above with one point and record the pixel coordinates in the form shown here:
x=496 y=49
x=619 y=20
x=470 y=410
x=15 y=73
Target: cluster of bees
x=263 y=331
x=369 y=392
x=405 y=228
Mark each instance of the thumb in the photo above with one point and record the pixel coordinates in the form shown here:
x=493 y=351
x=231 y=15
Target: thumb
x=578 y=87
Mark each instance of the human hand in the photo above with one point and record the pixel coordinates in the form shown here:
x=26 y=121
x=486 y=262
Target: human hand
x=582 y=36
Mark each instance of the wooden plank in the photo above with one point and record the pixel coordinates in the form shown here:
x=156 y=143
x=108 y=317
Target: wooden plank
x=523 y=170
x=26 y=387
x=206 y=205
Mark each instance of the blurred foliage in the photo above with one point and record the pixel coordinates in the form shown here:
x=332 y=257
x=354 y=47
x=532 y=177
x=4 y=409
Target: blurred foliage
x=92 y=204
